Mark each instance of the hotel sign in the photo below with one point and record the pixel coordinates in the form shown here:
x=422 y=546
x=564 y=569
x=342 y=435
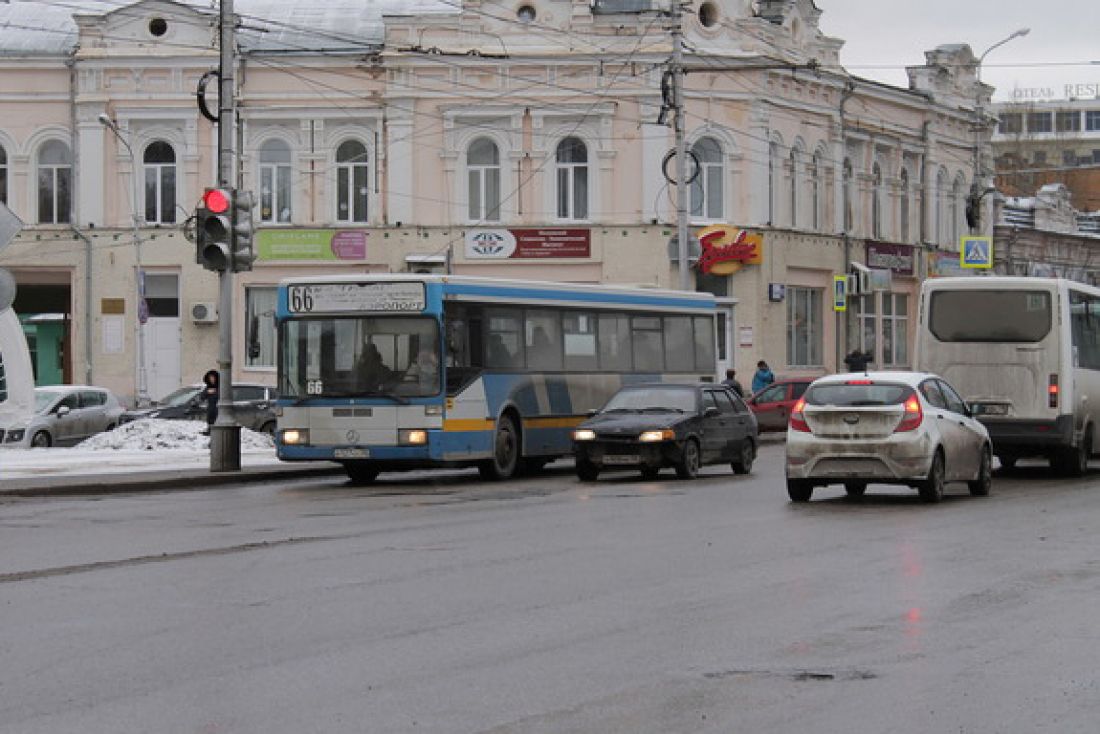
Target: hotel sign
x=1067 y=91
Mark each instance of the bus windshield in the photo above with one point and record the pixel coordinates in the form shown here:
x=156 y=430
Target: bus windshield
x=391 y=356
x=1009 y=316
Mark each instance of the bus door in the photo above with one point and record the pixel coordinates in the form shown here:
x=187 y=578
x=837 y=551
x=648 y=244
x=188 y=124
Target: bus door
x=725 y=330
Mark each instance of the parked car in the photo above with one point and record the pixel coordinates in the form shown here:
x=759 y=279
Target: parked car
x=772 y=405
x=63 y=415
x=652 y=426
x=907 y=428
x=253 y=406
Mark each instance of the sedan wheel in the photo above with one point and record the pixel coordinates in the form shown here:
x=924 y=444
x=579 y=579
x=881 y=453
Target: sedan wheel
x=688 y=467
x=743 y=465
x=587 y=471
x=799 y=490
x=980 y=486
x=41 y=440
x=931 y=489
x=650 y=472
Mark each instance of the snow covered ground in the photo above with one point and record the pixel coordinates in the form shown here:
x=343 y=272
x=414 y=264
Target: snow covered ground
x=144 y=445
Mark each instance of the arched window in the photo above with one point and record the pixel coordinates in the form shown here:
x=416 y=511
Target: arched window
x=876 y=202
x=707 y=190
x=815 y=192
x=352 y=182
x=956 y=210
x=275 y=185
x=846 y=194
x=160 y=183
x=55 y=183
x=794 y=187
x=3 y=175
x=773 y=188
x=572 y=168
x=941 y=194
x=483 y=180
x=903 y=186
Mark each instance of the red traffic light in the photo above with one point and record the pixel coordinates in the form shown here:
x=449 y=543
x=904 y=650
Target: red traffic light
x=216 y=200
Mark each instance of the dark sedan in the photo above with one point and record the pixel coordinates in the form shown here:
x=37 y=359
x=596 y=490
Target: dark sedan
x=649 y=427
x=253 y=406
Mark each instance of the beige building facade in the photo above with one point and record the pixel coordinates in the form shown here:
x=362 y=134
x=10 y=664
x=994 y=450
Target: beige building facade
x=518 y=141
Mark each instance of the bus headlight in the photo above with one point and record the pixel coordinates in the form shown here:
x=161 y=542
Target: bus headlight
x=294 y=436
x=412 y=437
x=584 y=434
x=666 y=434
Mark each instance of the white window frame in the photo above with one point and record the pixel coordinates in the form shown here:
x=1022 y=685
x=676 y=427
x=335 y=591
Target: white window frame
x=159 y=171
x=711 y=200
x=483 y=172
x=346 y=171
x=566 y=175
x=805 y=326
x=274 y=173
x=263 y=310
x=54 y=171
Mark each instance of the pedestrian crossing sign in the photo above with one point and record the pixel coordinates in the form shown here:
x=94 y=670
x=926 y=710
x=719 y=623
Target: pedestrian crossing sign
x=976 y=252
x=840 y=292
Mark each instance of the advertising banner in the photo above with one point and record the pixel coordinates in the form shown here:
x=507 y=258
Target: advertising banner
x=531 y=244
x=311 y=244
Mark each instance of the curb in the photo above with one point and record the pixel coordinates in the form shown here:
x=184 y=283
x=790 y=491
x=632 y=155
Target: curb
x=145 y=481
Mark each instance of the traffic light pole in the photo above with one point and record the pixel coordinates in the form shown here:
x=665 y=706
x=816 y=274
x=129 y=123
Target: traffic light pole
x=225 y=434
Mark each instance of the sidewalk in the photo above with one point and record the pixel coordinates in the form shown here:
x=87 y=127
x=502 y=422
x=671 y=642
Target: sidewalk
x=76 y=471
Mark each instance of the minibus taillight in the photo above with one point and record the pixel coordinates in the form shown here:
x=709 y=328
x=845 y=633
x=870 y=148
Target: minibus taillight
x=1052 y=391
x=798 y=421
x=914 y=414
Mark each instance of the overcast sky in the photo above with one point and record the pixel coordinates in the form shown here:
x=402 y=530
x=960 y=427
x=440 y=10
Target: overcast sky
x=891 y=34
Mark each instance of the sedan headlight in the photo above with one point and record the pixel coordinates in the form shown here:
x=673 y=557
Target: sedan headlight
x=295 y=436
x=665 y=434
x=584 y=434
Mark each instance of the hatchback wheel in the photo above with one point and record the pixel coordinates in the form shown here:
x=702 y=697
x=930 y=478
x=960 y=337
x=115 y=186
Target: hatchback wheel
x=688 y=467
x=41 y=440
x=980 y=486
x=931 y=489
x=799 y=490
x=743 y=465
x=855 y=489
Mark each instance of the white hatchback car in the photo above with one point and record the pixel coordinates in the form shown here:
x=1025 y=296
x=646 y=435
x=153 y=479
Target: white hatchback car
x=885 y=427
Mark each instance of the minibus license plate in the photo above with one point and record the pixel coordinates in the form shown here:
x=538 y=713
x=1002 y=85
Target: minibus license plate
x=351 y=453
x=991 y=409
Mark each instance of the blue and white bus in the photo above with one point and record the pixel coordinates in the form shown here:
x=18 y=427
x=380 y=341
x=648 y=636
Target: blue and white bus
x=396 y=372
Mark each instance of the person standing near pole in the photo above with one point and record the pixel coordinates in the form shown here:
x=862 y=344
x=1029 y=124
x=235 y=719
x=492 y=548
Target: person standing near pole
x=210 y=392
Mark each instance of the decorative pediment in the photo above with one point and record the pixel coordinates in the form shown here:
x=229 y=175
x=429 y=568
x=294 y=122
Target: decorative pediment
x=151 y=28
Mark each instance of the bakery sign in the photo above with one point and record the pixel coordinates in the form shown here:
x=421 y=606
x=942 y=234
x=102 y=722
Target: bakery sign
x=725 y=249
x=540 y=243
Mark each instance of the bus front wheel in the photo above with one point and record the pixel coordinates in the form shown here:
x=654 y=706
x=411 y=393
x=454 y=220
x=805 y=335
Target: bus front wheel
x=505 y=451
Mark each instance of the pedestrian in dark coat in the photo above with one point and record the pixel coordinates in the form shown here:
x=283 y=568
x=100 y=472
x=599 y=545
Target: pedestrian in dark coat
x=857 y=361
x=210 y=391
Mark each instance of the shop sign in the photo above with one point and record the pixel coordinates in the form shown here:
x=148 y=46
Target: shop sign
x=530 y=244
x=944 y=265
x=898 y=259
x=311 y=244
x=725 y=249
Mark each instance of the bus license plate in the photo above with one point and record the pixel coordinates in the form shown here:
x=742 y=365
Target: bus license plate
x=620 y=459
x=351 y=453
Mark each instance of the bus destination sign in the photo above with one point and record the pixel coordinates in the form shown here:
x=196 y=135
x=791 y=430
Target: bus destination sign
x=356 y=297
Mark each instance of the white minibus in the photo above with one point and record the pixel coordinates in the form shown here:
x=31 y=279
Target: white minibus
x=1025 y=355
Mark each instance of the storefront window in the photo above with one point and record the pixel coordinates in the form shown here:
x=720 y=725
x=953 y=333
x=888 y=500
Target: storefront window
x=895 y=331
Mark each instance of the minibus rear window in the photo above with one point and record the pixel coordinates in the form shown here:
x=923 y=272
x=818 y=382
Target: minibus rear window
x=990 y=316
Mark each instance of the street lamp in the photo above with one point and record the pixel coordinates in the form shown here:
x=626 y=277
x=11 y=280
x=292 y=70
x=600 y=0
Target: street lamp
x=978 y=189
x=142 y=397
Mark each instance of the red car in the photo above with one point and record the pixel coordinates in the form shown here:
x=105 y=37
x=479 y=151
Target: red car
x=773 y=404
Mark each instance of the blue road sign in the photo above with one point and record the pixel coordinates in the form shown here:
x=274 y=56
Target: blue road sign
x=976 y=252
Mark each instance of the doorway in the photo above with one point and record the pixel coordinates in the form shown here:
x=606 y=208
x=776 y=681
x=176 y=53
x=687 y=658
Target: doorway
x=161 y=334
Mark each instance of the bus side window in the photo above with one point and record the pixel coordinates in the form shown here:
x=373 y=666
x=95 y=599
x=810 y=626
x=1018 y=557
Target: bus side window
x=614 y=342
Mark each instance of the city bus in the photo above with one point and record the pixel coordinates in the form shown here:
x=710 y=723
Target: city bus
x=398 y=372
x=1025 y=355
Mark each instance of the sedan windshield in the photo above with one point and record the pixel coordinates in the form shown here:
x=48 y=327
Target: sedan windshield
x=180 y=396
x=652 y=398
x=372 y=356
x=857 y=394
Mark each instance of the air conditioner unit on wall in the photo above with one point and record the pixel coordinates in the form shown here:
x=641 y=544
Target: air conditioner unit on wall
x=204 y=312
x=859 y=279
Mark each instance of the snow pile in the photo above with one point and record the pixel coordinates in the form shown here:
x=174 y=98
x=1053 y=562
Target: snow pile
x=154 y=434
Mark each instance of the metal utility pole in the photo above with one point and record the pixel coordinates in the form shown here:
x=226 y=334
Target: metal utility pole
x=225 y=434
x=677 y=69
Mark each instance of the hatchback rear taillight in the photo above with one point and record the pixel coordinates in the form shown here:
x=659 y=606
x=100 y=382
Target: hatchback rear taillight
x=798 y=421
x=913 y=416
x=1052 y=391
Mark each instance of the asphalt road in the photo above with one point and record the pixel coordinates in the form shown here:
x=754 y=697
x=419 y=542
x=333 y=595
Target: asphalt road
x=550 y=606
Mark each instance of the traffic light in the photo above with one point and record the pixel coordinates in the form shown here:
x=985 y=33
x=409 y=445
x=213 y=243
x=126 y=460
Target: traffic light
x=243 y=249
x=214 y=230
